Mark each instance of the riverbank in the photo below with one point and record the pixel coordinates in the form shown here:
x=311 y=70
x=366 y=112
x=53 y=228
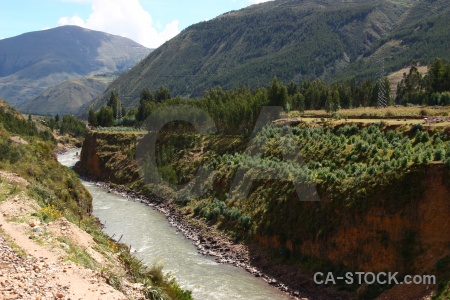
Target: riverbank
x=54 y=260
x=213 y=243
x=360 y=223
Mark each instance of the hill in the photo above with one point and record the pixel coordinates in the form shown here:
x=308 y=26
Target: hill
x=292 y=40
x=32 y=62
x=67 y=97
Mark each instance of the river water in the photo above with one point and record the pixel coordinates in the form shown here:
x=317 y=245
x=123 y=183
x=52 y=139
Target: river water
x=154 y=240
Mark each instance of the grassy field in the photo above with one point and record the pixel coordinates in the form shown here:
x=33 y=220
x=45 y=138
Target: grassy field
x=391 y=112
x=393 y=115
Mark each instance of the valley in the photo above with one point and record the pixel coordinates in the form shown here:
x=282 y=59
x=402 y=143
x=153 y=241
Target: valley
x=290 y=249
x=243 y=158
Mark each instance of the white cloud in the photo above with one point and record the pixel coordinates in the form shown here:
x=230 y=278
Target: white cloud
x=125 y=18
x=75 y=20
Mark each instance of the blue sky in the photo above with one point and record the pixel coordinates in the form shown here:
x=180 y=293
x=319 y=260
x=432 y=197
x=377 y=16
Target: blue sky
x=149 y=22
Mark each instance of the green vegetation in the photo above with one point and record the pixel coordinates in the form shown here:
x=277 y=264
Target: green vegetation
x=68 y=125
x=11 y=123
x=235 y=111
x=431 y=89
x=348 y=164
x=108 y=115
x=59 y=192
x=293 y=40
x=354 y=168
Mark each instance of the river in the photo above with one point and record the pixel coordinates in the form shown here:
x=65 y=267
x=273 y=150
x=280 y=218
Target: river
x=154 y=240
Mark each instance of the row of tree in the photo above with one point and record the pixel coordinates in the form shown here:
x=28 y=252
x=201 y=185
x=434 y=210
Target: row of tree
x=238 y=108
x=433 y=88
x=107 y=115
x=69 y=124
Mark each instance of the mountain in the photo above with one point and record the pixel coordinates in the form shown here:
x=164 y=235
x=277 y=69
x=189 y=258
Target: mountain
x=32 y=62
x=293 y=40
x=67 y=97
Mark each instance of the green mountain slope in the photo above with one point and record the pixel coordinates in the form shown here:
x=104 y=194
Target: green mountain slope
x=293 y=40
x=34 y=61
x=67 y=97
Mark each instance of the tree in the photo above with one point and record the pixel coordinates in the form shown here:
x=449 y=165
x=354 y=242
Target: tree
x=435 y=78
x=144 y=110
x=333 y=102
x=446 y=81
x=146 y=95
x=162 y=94
x=92 y=118
x=292 y=89
x=105 y=117
x=277 y=93
x=71 y=125
x=52 y=124
x=299 y=102
x=132 y=112
x=115 y=105
x=387 y=88
x=409 y=89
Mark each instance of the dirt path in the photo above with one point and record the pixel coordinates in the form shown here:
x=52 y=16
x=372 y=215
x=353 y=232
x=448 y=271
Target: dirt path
x=34 y=262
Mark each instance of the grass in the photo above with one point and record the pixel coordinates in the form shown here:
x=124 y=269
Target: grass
x=78 y=255
x=369 y=121
x=60 y=193
x=7 y=190
x=391 y=112
x=3 y=190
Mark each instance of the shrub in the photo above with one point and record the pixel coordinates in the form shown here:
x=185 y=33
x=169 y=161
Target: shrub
x=447 y=163
x=425 y=137
x=439 y=155
x=415 y=129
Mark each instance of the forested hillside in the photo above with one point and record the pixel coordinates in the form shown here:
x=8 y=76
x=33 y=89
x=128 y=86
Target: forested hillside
x=293 y=40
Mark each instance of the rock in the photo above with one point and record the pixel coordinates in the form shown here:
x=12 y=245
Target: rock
x=64 y=245
x=36 y=268
x=59 y=295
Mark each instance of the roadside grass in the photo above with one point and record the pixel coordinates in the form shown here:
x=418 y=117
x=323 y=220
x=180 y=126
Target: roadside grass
x=78 y=255
x=7 y=190
x=3 y=190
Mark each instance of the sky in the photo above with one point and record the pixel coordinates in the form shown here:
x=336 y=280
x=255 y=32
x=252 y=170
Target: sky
x=148 y=22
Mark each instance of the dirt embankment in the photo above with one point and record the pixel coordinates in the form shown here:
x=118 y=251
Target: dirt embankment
x=56 y=260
